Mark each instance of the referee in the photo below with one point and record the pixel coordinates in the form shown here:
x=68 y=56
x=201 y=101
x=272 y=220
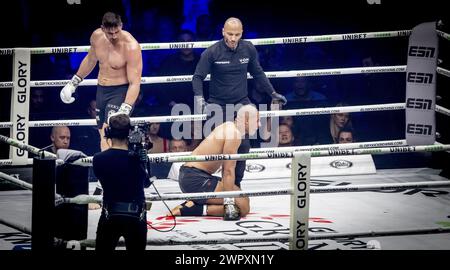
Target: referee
x=228 y=62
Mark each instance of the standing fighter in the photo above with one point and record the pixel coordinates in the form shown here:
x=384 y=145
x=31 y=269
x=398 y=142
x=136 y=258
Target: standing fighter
x=119 y=77
x=228 y=62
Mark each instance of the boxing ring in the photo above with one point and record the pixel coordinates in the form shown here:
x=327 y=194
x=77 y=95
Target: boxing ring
x=388 y=209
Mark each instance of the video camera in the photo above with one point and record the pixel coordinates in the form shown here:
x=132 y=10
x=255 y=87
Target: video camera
x=138 y=145
x=138 y=142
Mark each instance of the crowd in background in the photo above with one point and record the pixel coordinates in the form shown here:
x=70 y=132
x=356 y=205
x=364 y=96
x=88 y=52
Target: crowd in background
x=161 y=24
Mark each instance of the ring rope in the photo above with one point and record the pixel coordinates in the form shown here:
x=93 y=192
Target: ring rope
x=16 y=181
x=317 y=236
x=256 y=42
x=442 y=110
x=159 y=242
x=269 y=74
x=7 y=162
x=26 y=147
x=200 y=117
x=206 y=44
x=84 y=199
x=314 y=153
x=87 y=161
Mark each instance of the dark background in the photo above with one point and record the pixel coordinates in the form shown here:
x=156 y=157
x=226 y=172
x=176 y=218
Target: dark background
x=27 y=23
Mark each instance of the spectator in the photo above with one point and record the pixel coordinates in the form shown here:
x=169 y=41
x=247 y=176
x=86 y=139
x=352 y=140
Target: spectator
x=177 y=145
x=285 y=136
x=288 y=120
x=60 y=138
x=204 y=28
x=338 y=121
x=40 y=106
x=165 y=31
x=345 y=135
x=160 y=145
x=183 y=62
x=302 y=91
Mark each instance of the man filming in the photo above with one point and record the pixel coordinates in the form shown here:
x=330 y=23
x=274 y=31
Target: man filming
x=123 y=178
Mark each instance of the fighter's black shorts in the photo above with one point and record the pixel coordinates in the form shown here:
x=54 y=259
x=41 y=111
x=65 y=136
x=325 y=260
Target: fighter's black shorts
x=109 y=99
x=193 y=180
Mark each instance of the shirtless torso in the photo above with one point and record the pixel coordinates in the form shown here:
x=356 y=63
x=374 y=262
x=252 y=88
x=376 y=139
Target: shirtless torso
x=225 y=139
x=120 y=64
x=112 y=57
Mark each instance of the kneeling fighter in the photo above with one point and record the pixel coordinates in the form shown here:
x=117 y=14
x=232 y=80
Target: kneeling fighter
x=197 y=176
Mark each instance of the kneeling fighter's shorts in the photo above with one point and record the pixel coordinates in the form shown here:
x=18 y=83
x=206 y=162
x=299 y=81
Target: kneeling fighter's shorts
x=193 y=180
x=109 y=99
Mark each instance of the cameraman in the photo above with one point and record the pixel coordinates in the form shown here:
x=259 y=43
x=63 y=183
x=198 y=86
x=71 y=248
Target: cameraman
x=123 y=178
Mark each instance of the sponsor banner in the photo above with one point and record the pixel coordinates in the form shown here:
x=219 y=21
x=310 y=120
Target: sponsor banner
x=421 y=85
x=20 y=102
x=320 y=166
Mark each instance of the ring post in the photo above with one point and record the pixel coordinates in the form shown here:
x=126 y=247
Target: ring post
x=71 y=220
x=20 y=104
x=43 y=208
x=300 y=176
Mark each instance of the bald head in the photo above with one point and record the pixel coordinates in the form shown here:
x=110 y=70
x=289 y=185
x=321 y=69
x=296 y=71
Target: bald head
x=232 y=32
x=233 y=22
x=60 y=137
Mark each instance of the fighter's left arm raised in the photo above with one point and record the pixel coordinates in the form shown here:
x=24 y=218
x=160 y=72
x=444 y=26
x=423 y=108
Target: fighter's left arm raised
x=134 y=73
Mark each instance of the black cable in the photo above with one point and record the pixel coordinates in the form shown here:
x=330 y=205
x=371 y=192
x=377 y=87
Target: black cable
x=168 y=208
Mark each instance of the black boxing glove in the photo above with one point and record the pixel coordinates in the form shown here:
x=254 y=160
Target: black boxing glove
x=280 y=97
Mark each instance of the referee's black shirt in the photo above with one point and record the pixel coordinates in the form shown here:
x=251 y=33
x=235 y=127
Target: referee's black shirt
x=228 y=69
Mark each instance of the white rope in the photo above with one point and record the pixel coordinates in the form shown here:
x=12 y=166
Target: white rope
x=329 y=146
x=270 y=75
x=206 y=44
x=442 y=110
x=314 y=153
x=386 y=143
x=16 y=181
x=188 y=78
x=443 y=71
x=427 y=230
x=87 y=161
x=200 y=117
x=443 y=34
x=274 y=155
x=84 y=199
x=8 y=162
x=315 y=236
x=26 y=147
